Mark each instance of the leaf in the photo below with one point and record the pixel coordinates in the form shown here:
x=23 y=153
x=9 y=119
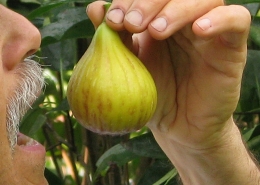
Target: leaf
x=167 y=177
x=254 y=144
x=247 y=134
x=250 y=90
x=253 y=8
x=41 y=10
x=23 y=7
x=61 y=55
x=33 y=119
x=118 y=155
x=145 y=146
x=33 y=122
x=251 y=133
x=63 y=106
x=31 y=1
x=82 y=29
x=52 y=178
x=3 y=2
x=72 y=23
x=255 y=34
x=241 y=1
x=158 y=172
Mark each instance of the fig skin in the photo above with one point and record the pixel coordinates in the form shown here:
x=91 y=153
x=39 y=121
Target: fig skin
x=110 y=90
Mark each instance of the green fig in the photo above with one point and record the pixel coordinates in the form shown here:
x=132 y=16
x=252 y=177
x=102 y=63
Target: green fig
x=110 y=90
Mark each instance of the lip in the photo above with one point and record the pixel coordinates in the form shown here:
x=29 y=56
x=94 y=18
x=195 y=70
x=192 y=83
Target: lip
x=28 y=144
x=29 y=160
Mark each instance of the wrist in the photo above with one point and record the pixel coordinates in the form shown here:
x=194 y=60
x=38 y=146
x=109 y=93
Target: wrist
x=228 y=162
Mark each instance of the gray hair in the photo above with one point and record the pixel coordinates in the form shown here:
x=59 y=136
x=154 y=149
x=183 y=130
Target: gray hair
x=30 y=82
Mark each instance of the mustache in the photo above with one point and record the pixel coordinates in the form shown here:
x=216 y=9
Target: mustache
x=30 y=82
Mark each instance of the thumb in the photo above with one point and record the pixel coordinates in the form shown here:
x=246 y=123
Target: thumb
x=230 y=23
x=96 y=12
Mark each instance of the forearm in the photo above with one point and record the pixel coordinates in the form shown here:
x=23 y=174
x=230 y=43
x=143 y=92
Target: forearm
x=229 y=164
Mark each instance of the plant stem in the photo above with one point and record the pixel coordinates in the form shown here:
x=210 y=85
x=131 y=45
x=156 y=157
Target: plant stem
x=54 y=158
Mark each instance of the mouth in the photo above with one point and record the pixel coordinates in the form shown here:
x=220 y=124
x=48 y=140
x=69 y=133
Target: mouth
x=28 y=160
x=29 y=144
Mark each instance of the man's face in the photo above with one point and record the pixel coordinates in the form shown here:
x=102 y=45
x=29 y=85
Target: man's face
x=22 y=159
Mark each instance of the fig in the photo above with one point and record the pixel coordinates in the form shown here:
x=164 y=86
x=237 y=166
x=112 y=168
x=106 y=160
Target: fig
x=110 y=90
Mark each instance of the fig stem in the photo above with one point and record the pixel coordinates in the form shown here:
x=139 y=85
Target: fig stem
x=106 y=6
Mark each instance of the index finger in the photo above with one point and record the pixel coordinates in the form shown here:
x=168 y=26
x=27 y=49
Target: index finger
x=132 y=15
x=177 y=14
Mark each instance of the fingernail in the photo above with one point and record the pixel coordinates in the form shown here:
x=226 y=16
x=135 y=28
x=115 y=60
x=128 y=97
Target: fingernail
x=160 y=24
x=115 y=16
x=204 y=24
x=135 y=18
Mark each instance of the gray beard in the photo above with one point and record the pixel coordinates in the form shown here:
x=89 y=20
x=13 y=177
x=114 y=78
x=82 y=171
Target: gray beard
x=30 y=83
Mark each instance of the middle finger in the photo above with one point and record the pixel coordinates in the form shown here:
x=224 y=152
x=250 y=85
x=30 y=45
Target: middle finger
x=137 y=13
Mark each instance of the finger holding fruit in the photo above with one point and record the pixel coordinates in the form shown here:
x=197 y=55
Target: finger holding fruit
x=195 y=50
x=160 y=17
x=110 y=90
x=191 y=64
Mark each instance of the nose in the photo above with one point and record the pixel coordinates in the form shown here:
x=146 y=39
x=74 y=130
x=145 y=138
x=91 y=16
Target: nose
x=18 y=38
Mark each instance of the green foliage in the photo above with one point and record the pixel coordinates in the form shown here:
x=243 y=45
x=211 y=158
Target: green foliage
x=78 y=156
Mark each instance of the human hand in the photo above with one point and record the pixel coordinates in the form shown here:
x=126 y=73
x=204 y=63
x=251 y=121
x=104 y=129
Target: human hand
x=196 y=53
x=196 y=59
